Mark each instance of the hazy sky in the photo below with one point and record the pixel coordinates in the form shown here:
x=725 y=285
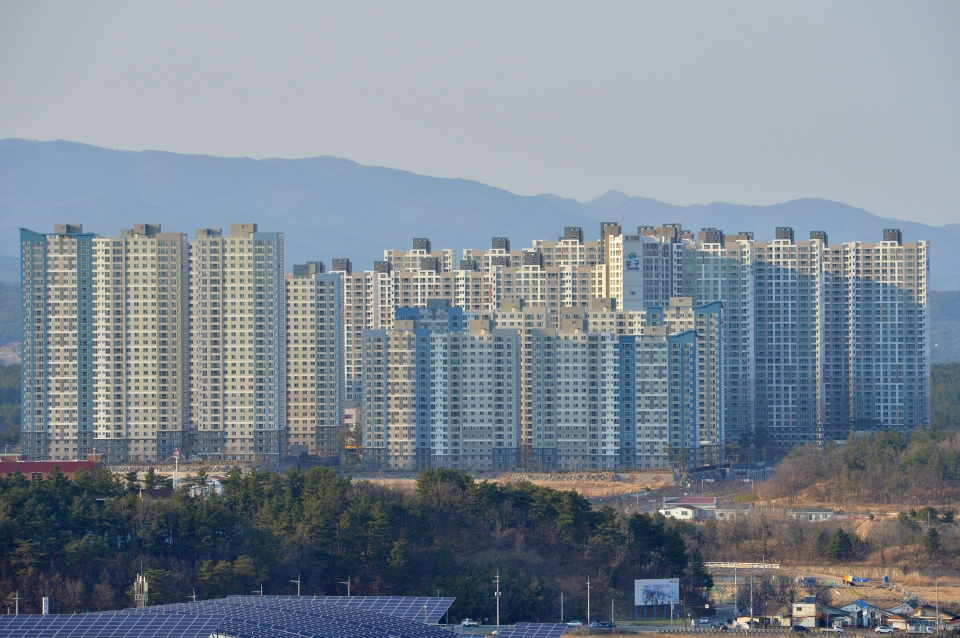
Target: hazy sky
x=683 y=102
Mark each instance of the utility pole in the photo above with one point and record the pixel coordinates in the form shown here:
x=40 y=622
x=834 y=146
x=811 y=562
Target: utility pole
x=347 y=583
x=611 y=610
x=561 y=608
x=497 y=581
x=937 y=587
x=736 y=593
x=751 y=598
x=17 y=607
x=297 y=581
x=588 y=604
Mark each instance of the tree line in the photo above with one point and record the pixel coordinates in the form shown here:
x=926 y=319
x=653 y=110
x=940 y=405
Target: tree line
x=82 y=542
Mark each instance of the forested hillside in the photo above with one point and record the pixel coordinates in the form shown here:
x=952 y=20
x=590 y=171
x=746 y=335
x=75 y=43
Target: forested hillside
x=906 y=469
x=9 y=405
x=944 y=326
x=9 y=312
x=58 y=539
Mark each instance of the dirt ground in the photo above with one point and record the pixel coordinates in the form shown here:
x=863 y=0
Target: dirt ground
x=928 y=589
x=594 y=485
x=591 y=486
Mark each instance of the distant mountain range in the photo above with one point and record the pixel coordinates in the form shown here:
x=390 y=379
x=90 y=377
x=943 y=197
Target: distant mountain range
x=331 y=207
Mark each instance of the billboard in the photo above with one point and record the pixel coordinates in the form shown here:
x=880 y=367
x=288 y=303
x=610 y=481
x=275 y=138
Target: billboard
x=661 y=591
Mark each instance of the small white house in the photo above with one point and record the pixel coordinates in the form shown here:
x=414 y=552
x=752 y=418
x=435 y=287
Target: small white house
x=685 y=512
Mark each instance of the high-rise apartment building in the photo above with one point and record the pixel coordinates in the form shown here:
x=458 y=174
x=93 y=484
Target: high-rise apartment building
x=658 y=400
x=441 y=390
x=314 y=375
x=706 y=322
x=141 y=330
x=57 y=373
x=646 y=269
x=585 y=401
x=475 y=393
x=391 y=386
x=787 y=313
x=238 y=402
x=719 y=268
x=877 y=374
x=368 y=304
x=513 y=314
x=605 y=401
x=420 y=257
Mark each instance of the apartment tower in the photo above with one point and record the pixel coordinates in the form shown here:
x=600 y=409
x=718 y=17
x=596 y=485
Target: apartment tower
x=57 y=372
x=238 y=345
x=314 y=375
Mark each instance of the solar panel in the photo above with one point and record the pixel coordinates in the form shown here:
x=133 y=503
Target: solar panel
x=304 y=618
x=422 y=609
x=533 y=630
x=107 y=626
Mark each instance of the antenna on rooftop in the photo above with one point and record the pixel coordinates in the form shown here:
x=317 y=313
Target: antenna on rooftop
x=140 y=590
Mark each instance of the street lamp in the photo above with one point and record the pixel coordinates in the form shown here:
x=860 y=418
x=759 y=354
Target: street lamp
x=347 y=583
x=297 y=581
x=497 y=581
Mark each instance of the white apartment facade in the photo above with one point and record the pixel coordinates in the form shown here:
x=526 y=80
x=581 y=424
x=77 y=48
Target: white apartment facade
x=314 y=359
x=57 y=372
x=238 y=407
x=141 y=326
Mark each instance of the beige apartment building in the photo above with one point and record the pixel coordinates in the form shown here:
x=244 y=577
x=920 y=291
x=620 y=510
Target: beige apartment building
x=141 y=327
x=238 y=403
x=314 y=359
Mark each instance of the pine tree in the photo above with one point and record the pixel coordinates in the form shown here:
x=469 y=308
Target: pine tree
x=840 y=545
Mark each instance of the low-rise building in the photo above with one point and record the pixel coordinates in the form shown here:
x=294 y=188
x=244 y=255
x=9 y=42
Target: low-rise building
x=731 y=511
x=897 y=622
x=35 y=470
x=927 y=619
x=813 y=513
x=701 y=502
x=863 y=614
x=685 y=512
x=807 y=613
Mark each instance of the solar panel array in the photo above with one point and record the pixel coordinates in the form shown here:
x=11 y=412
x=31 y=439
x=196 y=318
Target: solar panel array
x=107 y=626
x=533 y=630
x=247 y=617
x=420 y=609
x=260 y=617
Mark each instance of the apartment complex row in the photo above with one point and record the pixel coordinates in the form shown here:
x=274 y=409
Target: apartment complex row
x=444 y=387
x=146 y=343
x=819 y=338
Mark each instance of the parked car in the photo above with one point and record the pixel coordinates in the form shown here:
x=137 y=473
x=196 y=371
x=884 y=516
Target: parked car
x=574 y=623
x=469 y=622
x=720 y=626
x=799 y=628
x=836 y=629
x=601 y=624
x=704 y=620
x=883 y=629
